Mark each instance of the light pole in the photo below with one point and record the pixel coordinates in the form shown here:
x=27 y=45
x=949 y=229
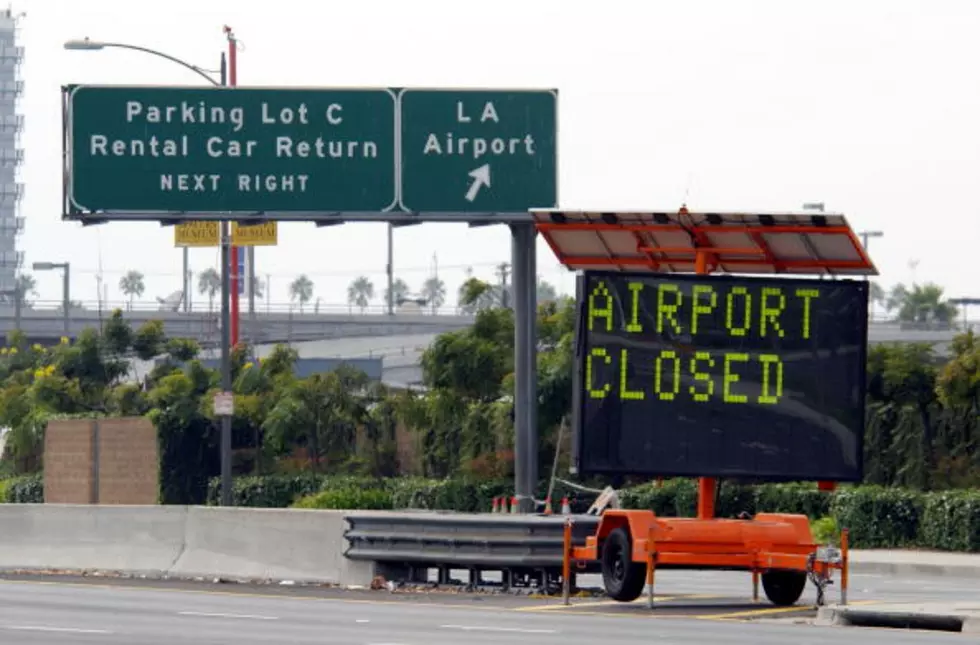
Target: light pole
x=65 y=290
x=87 y=44
x=866 y=235
x=226 y=268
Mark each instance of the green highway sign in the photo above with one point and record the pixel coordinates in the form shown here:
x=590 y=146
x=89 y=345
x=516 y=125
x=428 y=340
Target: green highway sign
x=179 y=153
x=224 y=149
x=478 y=150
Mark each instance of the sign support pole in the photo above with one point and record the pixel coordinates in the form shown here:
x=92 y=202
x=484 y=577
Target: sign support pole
x=232 y=82
x=707 y=486
x=525 y=364
x=226 y=298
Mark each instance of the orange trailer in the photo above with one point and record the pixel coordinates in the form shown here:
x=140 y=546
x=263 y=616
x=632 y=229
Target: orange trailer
x=630 y=545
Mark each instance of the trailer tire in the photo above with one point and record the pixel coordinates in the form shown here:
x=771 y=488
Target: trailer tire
x=783 y=588
x=622 y=578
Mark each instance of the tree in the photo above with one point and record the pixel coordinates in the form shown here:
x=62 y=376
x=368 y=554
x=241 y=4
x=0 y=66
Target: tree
x=24 y=286
x=399 y=291
x=209 y=284
x=132 y=285
x=301 y=289
x=434 y=292
x=476 y=295
x=257 y=288
x=922 y=304
x=546 y=292
x=360 y=292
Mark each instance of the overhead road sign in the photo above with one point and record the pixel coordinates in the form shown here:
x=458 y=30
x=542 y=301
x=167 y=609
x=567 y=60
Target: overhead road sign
x=324 y=155
x=752 y=243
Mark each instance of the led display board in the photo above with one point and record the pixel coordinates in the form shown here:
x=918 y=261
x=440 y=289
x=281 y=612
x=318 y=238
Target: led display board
x=720 y=376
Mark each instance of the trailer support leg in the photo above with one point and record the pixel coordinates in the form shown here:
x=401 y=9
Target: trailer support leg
x=651 y=576
x=755 y=586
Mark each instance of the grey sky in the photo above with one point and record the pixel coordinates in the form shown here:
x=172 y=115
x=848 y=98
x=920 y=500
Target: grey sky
x=871 y=107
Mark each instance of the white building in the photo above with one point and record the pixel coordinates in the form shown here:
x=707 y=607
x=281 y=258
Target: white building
x=11 y=154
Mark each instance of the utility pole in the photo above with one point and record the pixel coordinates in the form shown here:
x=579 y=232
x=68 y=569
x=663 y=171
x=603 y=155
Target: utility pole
x=503 y=272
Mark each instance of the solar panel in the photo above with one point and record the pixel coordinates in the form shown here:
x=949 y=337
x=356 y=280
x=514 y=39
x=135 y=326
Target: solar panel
x=733 y=242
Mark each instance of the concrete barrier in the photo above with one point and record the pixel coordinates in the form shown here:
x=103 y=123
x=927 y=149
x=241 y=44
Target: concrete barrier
x=269 y=544
x=139 y=539
x=179 y=541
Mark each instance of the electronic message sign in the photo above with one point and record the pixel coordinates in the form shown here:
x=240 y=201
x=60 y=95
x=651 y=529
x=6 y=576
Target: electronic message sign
x=720 y=376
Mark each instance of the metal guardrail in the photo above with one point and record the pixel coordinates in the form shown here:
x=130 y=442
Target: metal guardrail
x=203 y=306
x=477 y=542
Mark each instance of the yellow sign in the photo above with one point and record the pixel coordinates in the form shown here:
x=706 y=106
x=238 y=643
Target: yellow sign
x=197 y=234
x=209 y=234
x=264 y=234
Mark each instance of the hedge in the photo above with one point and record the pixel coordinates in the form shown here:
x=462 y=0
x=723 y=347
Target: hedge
x=27 y=489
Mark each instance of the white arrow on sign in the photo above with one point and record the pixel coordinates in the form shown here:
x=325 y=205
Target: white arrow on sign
x=481 y=177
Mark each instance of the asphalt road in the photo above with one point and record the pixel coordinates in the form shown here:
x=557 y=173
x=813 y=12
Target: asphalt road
x=49 y=612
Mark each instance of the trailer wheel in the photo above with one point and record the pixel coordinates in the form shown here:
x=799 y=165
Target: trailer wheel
x=622 y=578
x=783 y=588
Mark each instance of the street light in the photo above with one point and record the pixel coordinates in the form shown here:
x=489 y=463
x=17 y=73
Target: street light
x=226 y=268
x=87 y=44
x=66 y=288
x=866 y=235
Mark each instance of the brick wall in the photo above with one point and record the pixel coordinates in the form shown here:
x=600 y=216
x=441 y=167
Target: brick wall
x=101 y=461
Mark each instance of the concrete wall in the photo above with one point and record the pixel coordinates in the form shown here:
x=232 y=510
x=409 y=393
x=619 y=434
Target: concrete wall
x=180 y=541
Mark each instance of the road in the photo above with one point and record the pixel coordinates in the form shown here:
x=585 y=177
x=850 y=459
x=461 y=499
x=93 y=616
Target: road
x=46 y=612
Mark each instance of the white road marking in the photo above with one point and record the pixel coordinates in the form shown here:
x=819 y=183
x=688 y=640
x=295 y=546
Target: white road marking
x=362 y=620
x=216 y=615
x=63 y=630
x=479 y=628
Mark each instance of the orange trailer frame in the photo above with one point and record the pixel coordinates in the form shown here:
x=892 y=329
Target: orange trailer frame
x=769 y=545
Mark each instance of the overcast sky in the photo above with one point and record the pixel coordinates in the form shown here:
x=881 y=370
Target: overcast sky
x=871 y=107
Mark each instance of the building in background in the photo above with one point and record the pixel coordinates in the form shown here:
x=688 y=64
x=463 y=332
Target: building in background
x=11 y=154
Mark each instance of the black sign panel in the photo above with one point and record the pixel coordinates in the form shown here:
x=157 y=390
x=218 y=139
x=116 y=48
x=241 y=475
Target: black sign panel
x=686 y=375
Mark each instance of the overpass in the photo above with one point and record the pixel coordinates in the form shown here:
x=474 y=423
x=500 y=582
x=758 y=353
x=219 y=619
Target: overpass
x=44 y=325
x=380 y=331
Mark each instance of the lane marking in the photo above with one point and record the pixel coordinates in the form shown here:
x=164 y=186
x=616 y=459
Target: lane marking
x=207 y=614
x=766 y=611
x=516 y=630
x=362 y=620
x=613 y=603
x=60 y=630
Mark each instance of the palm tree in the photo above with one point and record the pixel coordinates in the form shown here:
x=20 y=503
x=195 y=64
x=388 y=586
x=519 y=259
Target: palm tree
x=434 y=292
x=301 y=289
x=209 y=284
x=257 y=289
x=24 y=286
x=132 y=284
x=399 y=291
x=360 y=292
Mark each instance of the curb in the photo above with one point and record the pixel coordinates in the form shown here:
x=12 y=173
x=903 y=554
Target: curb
x=913 y=568
x=845 y=617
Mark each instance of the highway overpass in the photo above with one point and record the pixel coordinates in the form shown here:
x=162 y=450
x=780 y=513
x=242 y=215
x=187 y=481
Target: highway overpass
x=45 y=325
x=378 y=331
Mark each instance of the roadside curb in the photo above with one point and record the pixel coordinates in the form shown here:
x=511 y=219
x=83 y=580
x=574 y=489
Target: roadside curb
x=916 y=568
x=933 y=621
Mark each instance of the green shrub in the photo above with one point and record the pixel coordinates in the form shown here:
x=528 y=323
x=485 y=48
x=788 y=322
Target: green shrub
x=877 y=517
x=28 y=489
x=795 y=499
x=825 y=531
x=374 y=499
x=951 y=521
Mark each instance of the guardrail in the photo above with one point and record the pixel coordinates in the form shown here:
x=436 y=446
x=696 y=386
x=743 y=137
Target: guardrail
x=405 y=546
